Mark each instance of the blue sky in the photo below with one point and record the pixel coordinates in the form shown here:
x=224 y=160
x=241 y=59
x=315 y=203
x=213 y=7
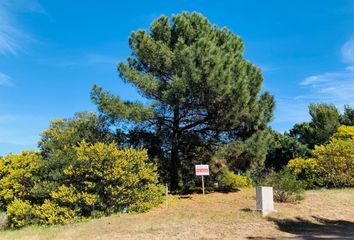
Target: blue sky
x=52 y=52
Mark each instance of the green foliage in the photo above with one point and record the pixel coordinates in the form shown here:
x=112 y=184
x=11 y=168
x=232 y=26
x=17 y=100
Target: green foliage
x=348 y=116
x=344 y=133
x=51 y=213
x=202 y=93
x=332 y=164
x=283 y=148
x=66 y=133
x=336 y=161
x=287 y=188
x=17 y=176
x=245 y=155
x=325 y=119
x=20 y=213
x=229 y=182
x=307 y=170
x=111 y=179
x=58 y=146
x=116 y=108
x=96 y=178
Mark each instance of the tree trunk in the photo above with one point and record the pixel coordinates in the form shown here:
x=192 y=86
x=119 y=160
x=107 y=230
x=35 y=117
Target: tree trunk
x=174 y=150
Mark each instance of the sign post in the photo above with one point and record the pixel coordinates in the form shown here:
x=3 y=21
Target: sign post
x=202 y=170
x=203 y=185
x=166 y=196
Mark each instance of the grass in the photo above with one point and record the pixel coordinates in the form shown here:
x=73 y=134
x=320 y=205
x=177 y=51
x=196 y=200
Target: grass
x=323 y=213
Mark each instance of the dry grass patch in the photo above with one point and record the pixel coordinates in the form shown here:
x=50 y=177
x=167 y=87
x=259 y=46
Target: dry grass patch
x=218 y=216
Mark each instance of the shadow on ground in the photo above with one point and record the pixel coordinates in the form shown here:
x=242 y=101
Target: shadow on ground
x=319 y=228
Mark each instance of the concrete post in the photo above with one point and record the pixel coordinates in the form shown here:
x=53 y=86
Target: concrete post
x=264 y=200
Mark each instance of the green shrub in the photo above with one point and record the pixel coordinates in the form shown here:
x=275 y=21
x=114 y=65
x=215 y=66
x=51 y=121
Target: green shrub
x=344 y=133
x=229 y=181
x=307 y=170
x=146 y=198
x=51 y=213
x=20 y=213
x=285 y=185
x=333 y=163
x=17 y=176
x=336 y=162
x=96 y=179
x=114 y=179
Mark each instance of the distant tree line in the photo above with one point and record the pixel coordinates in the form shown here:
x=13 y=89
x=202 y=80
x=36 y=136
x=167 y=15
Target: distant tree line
x=303 y=137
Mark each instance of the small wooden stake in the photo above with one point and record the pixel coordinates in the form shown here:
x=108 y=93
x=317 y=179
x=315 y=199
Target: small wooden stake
x=203 y=186
x=166 y=196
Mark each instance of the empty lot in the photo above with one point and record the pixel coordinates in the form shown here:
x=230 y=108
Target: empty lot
x=326 y=214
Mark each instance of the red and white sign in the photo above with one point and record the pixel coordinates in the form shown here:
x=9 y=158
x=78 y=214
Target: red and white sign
x=202 y=170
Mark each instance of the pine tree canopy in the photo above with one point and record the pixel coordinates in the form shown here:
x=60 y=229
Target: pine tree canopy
x=325 y=120
x=200 y=89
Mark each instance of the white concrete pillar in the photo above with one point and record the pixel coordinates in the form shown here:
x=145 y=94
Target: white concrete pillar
x=264 y=200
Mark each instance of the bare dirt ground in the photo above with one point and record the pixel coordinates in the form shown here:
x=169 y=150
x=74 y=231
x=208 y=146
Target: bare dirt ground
x=327 y=214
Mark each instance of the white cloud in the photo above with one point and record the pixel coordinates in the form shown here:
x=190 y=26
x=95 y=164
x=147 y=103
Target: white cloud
x=336 y=87
x=333 y=87
x=4 y=79
x=348 y=51
x=350 y=68
x=12 y=33
x=8 y=32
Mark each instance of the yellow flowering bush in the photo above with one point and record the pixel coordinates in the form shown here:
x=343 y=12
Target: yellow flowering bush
x=119 y=179
x=229 y=181
x=20 y=213
x=17 y=176
x=51 y=213
x=307 y=170
x=336 y=161
x=95 y=180
x=333 y=163
x=344 y=132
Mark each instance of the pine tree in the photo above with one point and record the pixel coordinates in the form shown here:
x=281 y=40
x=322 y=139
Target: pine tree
x=325 y=120
x=201 y=92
